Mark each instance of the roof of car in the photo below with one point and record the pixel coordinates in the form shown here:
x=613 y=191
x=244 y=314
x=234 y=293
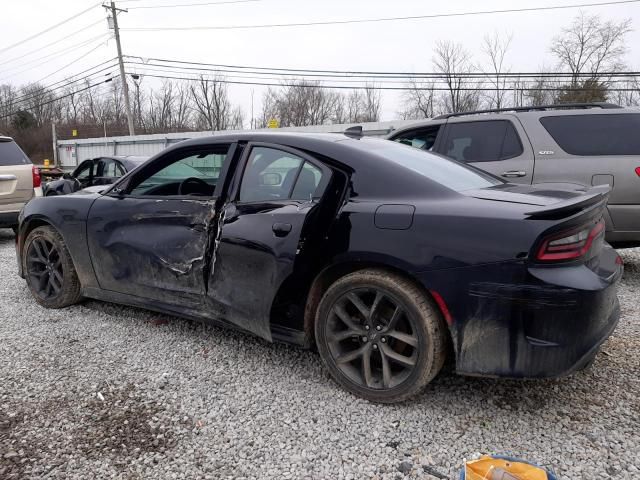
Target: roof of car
x=5 y=139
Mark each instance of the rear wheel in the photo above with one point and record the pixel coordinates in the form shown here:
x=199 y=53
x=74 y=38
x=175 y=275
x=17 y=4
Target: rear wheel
x=49 y=270
x=380 y=336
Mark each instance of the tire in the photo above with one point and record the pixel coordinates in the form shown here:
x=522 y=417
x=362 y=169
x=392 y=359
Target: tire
x=404 y=351
x=49 y=269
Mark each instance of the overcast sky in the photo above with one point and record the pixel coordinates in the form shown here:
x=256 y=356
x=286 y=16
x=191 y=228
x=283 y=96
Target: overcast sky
x=391 y=46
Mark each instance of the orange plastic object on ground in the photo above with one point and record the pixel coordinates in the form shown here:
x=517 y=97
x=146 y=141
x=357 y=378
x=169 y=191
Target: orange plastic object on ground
x=492 y=468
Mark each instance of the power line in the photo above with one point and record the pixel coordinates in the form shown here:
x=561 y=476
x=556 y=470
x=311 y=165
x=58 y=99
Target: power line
x=384 y=19
x=53 y=88
x=42 y=104
x=36 y=50
x=362 y=87
x=380 y=74
x=49 y=58
x=46 y=30
x=368 y=80
x=193 y=4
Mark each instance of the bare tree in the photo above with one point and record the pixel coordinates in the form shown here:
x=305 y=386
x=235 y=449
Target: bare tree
x=418 y=100
x=212 y=105
x=495 y=47
x=302 y=103
x=360 y=106
x=454 y=62
x=8 y=95
x=591 y=46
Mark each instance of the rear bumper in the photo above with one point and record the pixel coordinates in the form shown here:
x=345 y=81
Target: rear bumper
x=537 y=322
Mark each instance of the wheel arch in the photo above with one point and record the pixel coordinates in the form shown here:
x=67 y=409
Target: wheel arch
x=317 y=285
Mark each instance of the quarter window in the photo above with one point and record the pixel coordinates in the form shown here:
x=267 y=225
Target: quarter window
x=273 y=174
x=594 y=134
x=487 y=141
x=424 y=138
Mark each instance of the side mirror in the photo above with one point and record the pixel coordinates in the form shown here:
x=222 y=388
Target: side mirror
x=270 y=179
x=67 y=176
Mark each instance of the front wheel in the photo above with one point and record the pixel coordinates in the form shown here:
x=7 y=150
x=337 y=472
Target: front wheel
x=49 y=270
x=380 y=336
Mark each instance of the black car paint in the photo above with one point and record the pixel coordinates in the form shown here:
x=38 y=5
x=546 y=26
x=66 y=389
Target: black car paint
x=70 y=184
x=221 y=261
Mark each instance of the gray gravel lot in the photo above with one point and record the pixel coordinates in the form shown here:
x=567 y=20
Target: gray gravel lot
x=103 y=391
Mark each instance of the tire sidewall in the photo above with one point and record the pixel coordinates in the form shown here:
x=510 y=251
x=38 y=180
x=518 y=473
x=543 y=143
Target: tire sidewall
x=421 y=373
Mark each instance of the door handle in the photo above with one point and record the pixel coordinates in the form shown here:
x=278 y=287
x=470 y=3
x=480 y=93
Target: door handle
x=514 y=173
x=8 y=177
x=281 y=229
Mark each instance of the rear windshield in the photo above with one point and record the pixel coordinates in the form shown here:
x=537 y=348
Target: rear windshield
x=10 y=154
x=616 y=134
x=448 y=173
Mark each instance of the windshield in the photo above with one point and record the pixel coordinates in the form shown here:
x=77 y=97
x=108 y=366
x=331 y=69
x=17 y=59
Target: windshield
x=448 y=173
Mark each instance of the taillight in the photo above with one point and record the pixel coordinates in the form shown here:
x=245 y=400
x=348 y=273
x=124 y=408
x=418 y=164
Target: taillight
x=37 y=181
x=638 y=171
x=570 y=245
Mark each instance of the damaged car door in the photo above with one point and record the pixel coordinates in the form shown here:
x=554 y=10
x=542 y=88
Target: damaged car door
x=149 y=236
x=263 y=228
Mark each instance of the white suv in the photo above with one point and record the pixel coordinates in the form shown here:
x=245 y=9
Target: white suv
x=19 y=182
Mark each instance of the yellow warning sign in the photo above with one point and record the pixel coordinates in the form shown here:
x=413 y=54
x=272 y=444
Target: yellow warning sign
x=273 y=123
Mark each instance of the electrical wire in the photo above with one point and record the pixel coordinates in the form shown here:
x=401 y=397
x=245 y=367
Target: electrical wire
x=224 y=2
x=378 y=20
x=372 y=87
x=49 y=58
x=47 y=30
x=375 y=81
x=53 y=87
x=40 y=49
x=42 y=104
x=381 y=74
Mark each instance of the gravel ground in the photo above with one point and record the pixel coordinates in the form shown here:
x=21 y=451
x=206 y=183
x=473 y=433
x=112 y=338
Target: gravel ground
x=104 y=391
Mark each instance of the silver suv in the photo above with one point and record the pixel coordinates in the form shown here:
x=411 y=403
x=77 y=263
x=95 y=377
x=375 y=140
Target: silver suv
x=572 y=147
x=19 y=181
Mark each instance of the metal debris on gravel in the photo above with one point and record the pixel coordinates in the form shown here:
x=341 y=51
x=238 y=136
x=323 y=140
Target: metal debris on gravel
x=104 y=391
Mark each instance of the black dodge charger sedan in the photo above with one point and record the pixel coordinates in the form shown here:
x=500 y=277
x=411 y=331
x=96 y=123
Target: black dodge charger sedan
x=384 y=257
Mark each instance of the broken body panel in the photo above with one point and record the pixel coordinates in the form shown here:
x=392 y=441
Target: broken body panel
x=260 y=266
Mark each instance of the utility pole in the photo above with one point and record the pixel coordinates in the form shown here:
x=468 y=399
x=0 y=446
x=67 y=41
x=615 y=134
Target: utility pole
x=123 y=77
x=54 y=137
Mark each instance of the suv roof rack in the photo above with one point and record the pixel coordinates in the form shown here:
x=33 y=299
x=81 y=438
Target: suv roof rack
x=557 y=106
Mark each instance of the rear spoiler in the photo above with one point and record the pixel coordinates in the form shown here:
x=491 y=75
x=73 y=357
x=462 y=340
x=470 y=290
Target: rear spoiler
x=593 y=196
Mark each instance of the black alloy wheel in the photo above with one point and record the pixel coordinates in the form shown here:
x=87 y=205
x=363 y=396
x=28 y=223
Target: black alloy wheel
x=45 y=268
x=49 y=269
x=380 y=336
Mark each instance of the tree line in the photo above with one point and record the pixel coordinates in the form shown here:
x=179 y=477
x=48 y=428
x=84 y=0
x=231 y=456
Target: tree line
x=586 y=52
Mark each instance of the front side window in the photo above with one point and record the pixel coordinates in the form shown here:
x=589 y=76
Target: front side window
x=424 y=138
x=487 y=141
x=84 y=171
x=595 y=134
x=188 y=173
x=273 y=174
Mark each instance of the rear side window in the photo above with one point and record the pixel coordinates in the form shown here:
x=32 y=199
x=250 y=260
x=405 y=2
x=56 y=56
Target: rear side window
x=488 y=141
x=10 y=154
x=596 y=134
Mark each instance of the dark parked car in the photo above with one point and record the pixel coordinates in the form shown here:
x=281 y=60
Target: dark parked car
x=383 y=256
x=93 y=172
